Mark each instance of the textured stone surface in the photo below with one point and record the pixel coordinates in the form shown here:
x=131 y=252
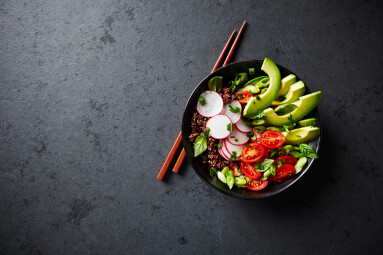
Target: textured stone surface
x=91 y=100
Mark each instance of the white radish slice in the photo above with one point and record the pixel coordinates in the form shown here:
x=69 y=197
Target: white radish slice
x=234 y=117
x=213 y=104
x=220 y=151
x=218 y=126
x=233 y=148
x=242 y=127
x=224 y=151
x=237 y=138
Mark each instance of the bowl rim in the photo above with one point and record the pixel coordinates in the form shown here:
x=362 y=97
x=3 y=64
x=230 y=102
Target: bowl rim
x=236 y=195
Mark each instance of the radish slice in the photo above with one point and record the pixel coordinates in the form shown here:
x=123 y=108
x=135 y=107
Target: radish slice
x=242 y=127
x=234 y=117
x=218 y=126
x=223 y=154
x=225 y=151
x=237 y=138
x=233 y=148
x=213 y=105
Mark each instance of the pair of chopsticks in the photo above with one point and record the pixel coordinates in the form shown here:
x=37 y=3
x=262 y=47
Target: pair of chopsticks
x=178 y=141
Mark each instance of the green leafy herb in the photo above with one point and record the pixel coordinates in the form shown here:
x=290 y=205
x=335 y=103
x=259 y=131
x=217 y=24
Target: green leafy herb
x=248 y=179
x=290 y=118
x=273 y=152
x=213 y=172
x=286 y=127
x=258 y=97
x=233 y=87
x=299 y=136
x=281 y=98
x=248 y=145
x=260 y=114
x=235 y=155
x=218 y=144
x=251 y=71
x=307 y=151
x=200 y=145
x=236 y=140
x=229 y=127
x=206 y=132
x=285 y=108
x=279 y=164
x=240 y=95
x=202 y=100
x=215 y=83
x=234 y=109
x=240 y=78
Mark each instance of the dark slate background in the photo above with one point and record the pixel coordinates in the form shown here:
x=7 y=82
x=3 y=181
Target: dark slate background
x=92 y=96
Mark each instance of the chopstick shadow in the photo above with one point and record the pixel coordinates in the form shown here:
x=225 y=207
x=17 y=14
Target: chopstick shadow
x=170 y=172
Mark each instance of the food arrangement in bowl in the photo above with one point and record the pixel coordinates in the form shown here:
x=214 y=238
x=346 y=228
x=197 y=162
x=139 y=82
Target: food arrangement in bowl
x=250 y=128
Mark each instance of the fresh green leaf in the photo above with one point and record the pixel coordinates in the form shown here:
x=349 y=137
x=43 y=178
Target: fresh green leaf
x=290 y=118
x=307 y=151
x=298 y=136
x=234 y=109
x=236 y=140
x=202 y=100
x=286 y=127
x=240 y=95
x=233 y=87
x=273 y=152
x=281 y=98
x=285 y=108
x=206 y=132
x=215 y=83
x=258 y=97
x=260 y=114
x=265 y=165
x=218 y=144
x=229 y=127
x=200 y=145
x=279 y=164
x=240 y=78
x=251 y=71
x=235 y=155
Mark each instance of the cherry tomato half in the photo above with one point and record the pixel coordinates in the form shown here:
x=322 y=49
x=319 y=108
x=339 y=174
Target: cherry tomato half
x=249 y=170
x=244 y=96
x=252 y=152
x=272 y=139
x=257 y=185
x=286 y=159
x=283 y=173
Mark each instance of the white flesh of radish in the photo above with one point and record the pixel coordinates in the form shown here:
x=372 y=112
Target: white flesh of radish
x=237 y=138
x=242 y=127
x=218 y=126
x=213 y=104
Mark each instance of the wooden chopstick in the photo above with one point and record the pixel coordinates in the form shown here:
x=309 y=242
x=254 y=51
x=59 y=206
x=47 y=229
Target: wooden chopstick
x=230 y=54
x=177 y=143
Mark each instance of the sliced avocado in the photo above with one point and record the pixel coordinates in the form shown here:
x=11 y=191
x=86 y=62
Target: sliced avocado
x=255 y=80
x=296 y=90
x=251 y=88
x=307 y=122
x=301 y=135
x=285 y=84
x=262 y=101
x=305 y=105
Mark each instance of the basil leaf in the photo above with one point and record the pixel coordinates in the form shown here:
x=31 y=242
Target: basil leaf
x=307 y=151
x=234 y=109
x=202 y=100
x=239 y=96
x=265 y=165
x=215 y=83
x=285 y=108
x=200 y=145
x=240 y=78
x=251 y=71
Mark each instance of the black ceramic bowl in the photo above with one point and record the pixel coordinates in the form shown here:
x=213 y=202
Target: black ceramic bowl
x=228 y=72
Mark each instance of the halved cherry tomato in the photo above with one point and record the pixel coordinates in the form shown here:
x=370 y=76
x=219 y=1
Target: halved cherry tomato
x=249 y=170
x=286 y=159
x=252 y=152
x=272 y=139
x=244 y=98
x=283 y=173
x=257 y=185
x=267 y=153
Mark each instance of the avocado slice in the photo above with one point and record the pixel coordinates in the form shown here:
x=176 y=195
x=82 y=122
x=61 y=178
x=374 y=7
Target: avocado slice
x=307 y=122
x=296 y=90
x=285 y=84
x=305 y=105
x=264 y=100
x=301 y=135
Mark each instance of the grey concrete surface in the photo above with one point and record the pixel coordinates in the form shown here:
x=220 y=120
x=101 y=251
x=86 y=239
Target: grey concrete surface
x=91 y=99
